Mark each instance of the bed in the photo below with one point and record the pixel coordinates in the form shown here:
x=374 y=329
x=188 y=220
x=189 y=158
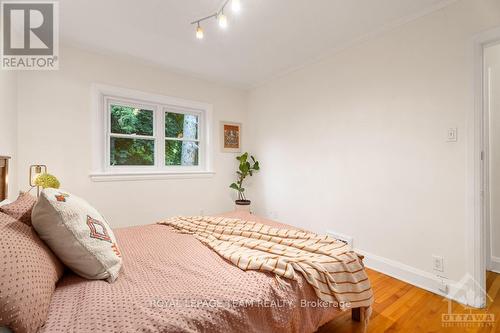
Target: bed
x=171 y=282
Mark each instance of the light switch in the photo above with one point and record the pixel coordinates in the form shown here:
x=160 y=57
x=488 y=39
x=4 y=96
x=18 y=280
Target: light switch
x=452 y=135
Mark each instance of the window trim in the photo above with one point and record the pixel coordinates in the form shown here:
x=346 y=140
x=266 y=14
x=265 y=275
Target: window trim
x=103 y=95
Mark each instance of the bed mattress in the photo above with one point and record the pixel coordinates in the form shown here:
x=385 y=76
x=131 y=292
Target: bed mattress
x=171 y=282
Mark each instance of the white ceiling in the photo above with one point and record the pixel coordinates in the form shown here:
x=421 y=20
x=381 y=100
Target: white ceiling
x=267 y=38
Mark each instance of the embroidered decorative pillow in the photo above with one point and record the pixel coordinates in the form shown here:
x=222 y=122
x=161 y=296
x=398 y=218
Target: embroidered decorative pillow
x=21 y=208
x=28 y=276
x=78 y=234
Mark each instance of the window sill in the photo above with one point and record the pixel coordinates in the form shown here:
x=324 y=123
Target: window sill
x=135 y=176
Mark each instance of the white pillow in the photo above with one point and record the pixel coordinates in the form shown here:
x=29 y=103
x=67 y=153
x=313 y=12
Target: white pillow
x=78 y=234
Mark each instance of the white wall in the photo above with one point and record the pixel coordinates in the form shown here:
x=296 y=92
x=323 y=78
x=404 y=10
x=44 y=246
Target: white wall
x=55 y=129
x=492 y=62
x=8 y=125
x=357 y=142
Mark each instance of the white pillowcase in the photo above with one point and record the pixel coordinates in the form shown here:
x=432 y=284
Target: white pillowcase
x=78 y=234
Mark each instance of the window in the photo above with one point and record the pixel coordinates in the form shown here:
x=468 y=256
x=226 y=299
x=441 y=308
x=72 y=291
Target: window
x=131 y=137
x=181 y=139
x=146 y=135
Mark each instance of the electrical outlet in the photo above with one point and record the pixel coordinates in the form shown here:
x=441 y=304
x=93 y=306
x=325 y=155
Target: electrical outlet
x=442 y=285
x=438 y=263
x=348 y=239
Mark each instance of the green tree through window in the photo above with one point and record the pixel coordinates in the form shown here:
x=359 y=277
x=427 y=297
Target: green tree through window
x=130 y=151
x=181 y=144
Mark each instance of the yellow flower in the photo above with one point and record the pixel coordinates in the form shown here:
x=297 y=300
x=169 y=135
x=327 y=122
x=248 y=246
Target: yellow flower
x=46 y=180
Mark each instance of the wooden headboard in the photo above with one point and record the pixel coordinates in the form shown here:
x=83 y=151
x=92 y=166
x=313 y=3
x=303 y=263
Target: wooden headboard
x=4 y=172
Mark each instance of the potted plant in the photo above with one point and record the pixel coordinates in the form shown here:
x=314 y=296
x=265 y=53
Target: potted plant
x=245 y=169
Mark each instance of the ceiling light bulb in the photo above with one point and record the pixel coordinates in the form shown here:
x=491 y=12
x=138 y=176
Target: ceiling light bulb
x=222 y=20
x=236 y=5
x=199 y=32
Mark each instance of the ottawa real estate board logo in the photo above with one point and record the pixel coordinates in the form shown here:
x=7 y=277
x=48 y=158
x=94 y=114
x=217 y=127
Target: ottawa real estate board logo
x=29 y=35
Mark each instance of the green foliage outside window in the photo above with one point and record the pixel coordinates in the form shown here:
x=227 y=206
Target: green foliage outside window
x=129 y=151
x=175 y=124
x=128 y=120
x=181 y=126
x=140 y=151
x=132 y=151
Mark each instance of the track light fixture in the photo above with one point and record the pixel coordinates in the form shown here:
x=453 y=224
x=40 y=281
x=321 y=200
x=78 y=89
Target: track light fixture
x=222 y=20
x=236 y=5
x=219 y=16
x=199 y=31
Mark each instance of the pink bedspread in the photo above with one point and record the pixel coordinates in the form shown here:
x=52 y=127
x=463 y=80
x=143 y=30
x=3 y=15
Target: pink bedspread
x=170 y=282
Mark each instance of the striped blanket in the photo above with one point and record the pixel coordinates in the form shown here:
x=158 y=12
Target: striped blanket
x=328 y=265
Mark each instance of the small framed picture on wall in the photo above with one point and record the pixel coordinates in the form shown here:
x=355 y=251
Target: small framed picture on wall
x=230 y=137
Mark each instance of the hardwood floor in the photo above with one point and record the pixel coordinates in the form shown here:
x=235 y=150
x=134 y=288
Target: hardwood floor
x=400 y=307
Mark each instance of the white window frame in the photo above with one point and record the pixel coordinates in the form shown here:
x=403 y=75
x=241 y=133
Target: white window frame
x=104 y=96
